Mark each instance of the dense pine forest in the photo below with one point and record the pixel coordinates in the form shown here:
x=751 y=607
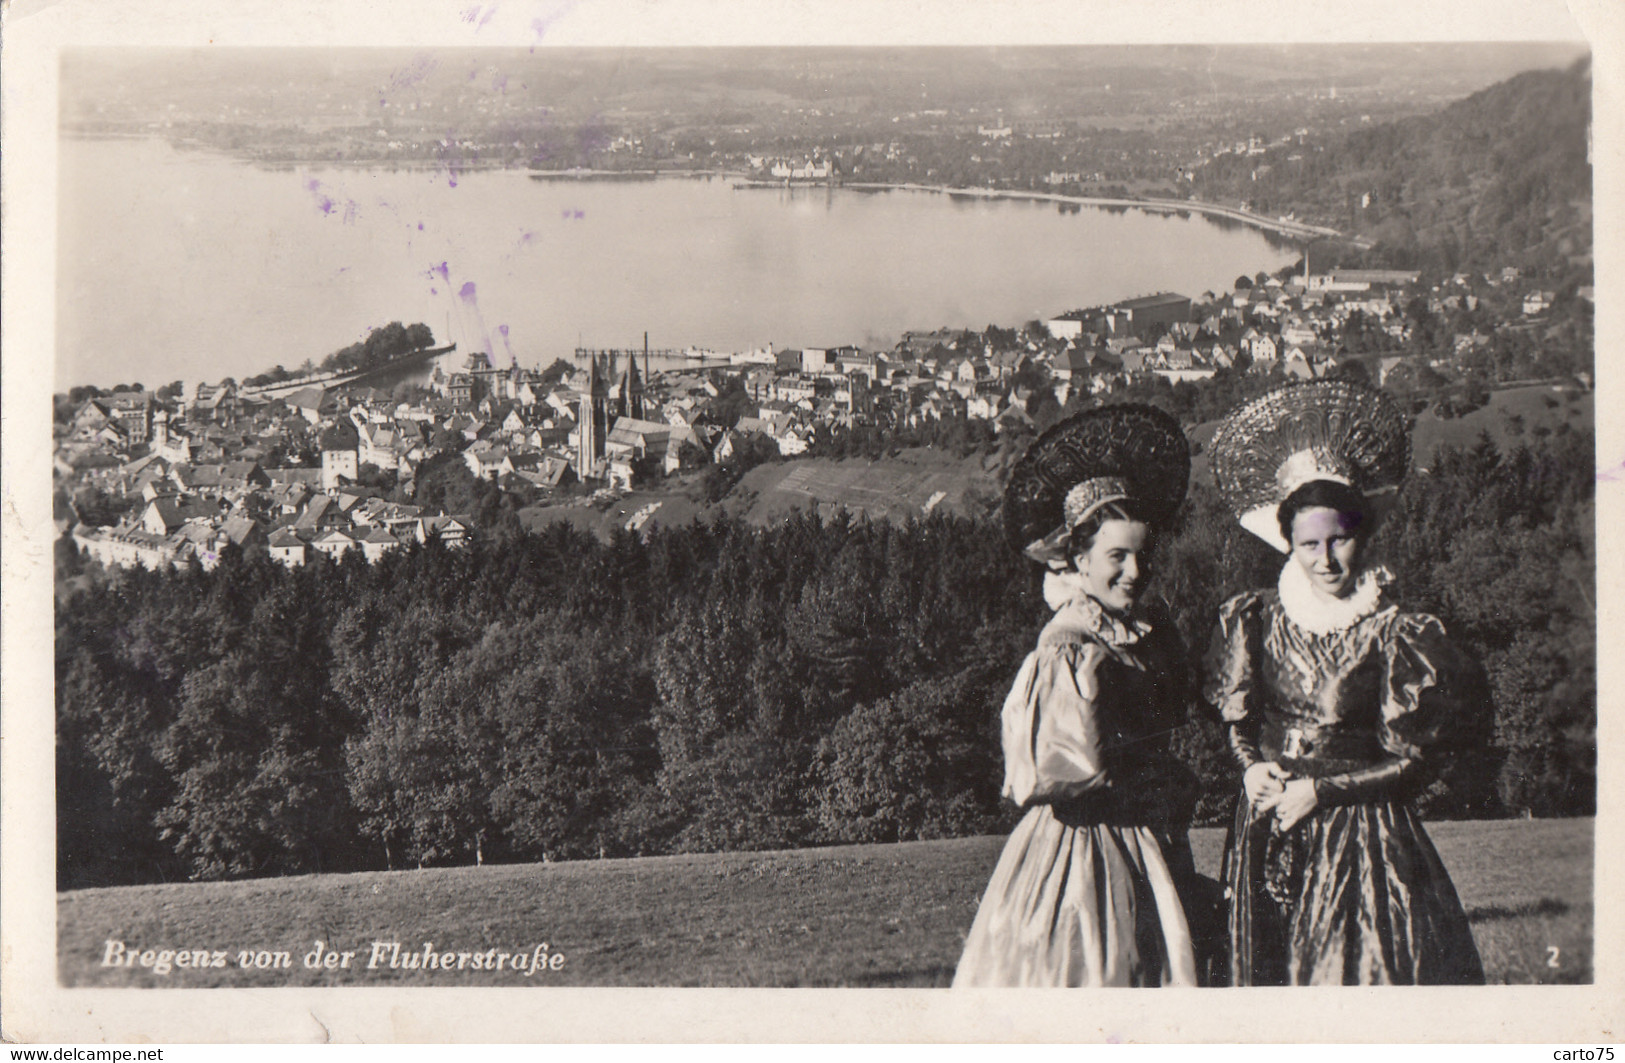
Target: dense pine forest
x=547 y=695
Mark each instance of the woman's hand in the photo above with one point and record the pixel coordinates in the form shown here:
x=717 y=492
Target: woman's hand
x=1296 y=800
x=1263 y=780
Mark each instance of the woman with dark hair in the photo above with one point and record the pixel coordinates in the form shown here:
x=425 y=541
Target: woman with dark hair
x=1336 y=702
x=1087 y=891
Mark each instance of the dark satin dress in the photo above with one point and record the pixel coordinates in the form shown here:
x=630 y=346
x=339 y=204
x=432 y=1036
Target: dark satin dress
x=1354 y=893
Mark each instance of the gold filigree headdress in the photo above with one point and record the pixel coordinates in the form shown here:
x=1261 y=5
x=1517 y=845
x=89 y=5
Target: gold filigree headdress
x=1334 y=430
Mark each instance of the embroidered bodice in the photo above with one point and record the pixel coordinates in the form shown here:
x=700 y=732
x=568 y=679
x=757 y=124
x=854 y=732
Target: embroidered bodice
x=1365 y=678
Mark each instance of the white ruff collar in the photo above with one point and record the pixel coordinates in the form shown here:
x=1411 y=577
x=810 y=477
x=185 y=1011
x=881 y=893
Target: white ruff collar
x=1322 y=616
x=1064 y=591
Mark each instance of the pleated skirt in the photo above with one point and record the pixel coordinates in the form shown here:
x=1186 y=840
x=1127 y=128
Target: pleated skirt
x=1352 y=895
x=1079 y=905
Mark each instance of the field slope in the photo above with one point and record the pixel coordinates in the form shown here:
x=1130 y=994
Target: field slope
x=870 y=915
x=911 y=483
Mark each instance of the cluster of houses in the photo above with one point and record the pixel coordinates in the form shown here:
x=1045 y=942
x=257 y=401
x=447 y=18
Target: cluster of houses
x=806 y=168
x=287 y=516
x=203 y=485
x=1293 y=327
x=324 y=471
x=1290 y=327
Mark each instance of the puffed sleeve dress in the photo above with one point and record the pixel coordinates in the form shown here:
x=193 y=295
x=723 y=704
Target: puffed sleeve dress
x=1087 y=889
x=1355 y=893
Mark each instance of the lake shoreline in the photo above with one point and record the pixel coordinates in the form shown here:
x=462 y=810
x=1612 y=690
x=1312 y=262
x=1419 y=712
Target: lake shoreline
x=1289 y=228
x=530 y=270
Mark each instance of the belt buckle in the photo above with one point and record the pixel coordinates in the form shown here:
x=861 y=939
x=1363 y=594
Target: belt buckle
x=1296 y=743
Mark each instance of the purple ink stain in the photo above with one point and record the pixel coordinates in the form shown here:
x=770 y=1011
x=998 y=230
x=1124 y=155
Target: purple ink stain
x=442 y=272
x=540 y=25
x=434 y=291
x=418 y=70
x=420 y=226
x=324 y=203
x=450 y=154
x=466 y=292
x=327 y=204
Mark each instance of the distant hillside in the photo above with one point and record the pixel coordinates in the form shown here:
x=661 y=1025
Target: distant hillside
x=1499 y=178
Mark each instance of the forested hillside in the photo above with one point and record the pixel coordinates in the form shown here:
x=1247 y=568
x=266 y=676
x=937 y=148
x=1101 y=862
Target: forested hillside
x=714 y=686
x=1500 y=178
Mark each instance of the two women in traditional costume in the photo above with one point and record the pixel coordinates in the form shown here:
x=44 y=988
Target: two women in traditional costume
x=1334 y=699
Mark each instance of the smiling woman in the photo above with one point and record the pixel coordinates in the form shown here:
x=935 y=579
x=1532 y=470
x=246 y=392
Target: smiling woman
x=1113 y=555
x=1093 y=887
x=1327 y=525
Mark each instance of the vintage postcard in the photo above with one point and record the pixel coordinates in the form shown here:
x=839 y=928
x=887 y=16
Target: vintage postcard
x=678 y=520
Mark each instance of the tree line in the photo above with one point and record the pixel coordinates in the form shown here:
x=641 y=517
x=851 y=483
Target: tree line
x=549 y=695
x=380 y=346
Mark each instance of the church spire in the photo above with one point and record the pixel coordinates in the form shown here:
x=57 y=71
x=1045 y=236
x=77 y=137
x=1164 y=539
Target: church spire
x=592 y=429
x=631 y=391
x=595 y=386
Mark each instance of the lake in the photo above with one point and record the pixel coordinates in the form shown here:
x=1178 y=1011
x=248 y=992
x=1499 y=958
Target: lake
x=194 y=266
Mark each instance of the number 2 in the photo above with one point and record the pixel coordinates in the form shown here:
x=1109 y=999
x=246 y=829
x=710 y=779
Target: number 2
x=1552 y=953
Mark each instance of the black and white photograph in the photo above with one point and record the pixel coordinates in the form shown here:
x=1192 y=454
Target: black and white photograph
x=626 y=498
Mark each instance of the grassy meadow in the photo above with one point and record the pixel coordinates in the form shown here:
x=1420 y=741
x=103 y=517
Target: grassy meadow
x=911 y=483
x=1512 y=416
x=867 y=915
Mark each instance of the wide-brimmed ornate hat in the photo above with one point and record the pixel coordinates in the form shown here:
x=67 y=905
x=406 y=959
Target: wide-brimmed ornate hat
x=1107 y=454
x=1334 y=430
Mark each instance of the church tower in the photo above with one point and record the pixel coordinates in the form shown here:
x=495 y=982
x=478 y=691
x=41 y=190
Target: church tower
x=593 y=429
x=630 y=392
